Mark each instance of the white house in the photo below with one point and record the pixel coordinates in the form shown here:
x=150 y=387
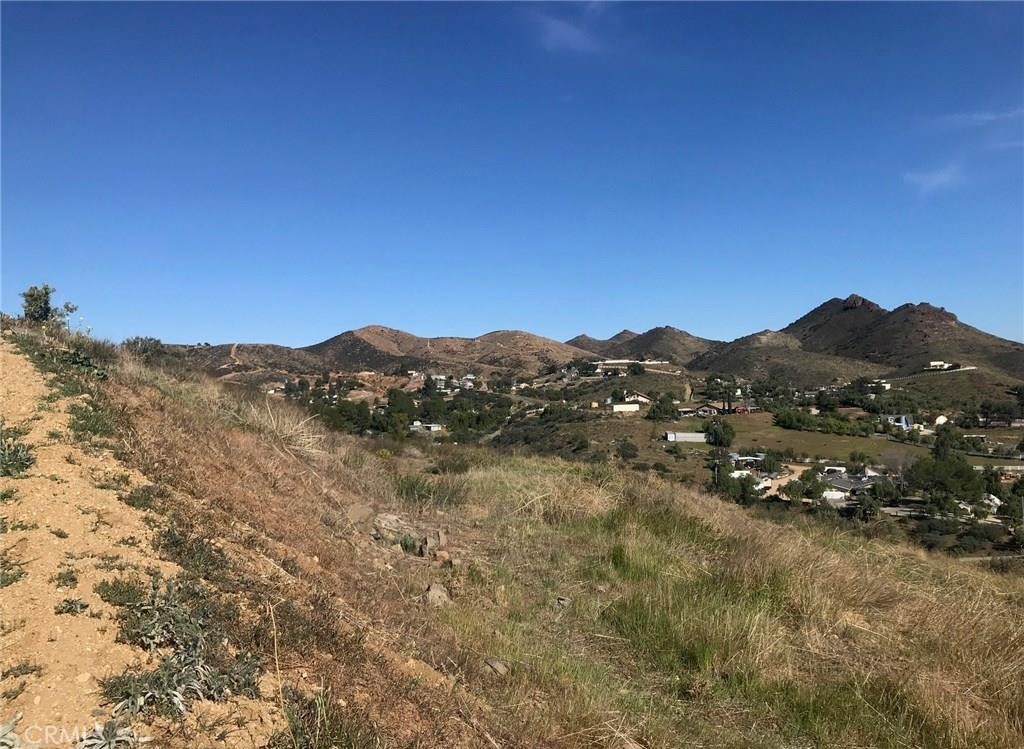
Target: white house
x=634 y=397
x=991 y=502
x=684 y=436
x=418 y=426
x=903 y=421
x=835 y=498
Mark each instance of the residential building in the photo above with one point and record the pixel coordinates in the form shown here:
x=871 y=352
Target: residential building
x=903 y=421
x=620 y=408
x=684 y=436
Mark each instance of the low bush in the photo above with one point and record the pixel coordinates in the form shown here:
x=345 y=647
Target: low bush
x=15 y=456
x=177 y=619
x=317 y=722
x=446 y=490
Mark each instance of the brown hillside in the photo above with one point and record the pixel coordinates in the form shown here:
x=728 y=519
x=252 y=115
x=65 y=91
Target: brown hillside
x=664 y=342
x=253 y=363
x=903 y=340
x=910 y=336
x=378 y=347
x=778 y=355
x=600 y=346
x=834 y=322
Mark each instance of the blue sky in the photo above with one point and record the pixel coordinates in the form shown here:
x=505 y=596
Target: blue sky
x=283 y=172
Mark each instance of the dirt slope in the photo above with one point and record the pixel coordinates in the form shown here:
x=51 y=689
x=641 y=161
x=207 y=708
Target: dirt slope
x=64 y=534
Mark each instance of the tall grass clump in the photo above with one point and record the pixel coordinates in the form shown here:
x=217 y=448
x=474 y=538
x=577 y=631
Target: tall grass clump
x=317 y=722
x=421 y=490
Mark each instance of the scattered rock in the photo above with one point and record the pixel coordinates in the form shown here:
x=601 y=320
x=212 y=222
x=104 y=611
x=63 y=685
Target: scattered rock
x=391 y=529
x=563 y=602
x=437 y=595
x=82 y=678
x=495 y=667
x=359 y=514
x=442 y=556
x=433 y=543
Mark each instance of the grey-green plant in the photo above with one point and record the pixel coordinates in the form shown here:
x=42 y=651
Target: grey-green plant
x=65 y=578
x=15 y=456
x=10 y=571
x=8 y=734
x=111 y=735
x=73 y=606
x=176 y=617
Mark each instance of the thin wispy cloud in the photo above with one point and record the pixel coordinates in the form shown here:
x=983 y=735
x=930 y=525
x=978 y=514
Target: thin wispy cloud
x=559 y=35
x=930 y=181
x=979 y=119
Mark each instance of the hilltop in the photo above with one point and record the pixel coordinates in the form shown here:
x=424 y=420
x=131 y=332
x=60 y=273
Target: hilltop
x=378 y=347
x=664 y=342
x=604 y=347
x=851 y=337
x=904 y=339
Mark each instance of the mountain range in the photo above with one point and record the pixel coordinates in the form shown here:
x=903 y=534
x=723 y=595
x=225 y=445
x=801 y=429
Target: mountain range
x=841 y=338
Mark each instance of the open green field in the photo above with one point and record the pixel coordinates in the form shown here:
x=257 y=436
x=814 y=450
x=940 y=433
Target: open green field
x=753 y=431
x=757 y=430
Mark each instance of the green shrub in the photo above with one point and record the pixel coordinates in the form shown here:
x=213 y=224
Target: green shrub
x=22 y=668
x=120 y=591
x=143 y=497
x=179 y=543
x=177 y=617
x=10 y=572
x=66 y=578
x=89 y=420
x=15 y=456
x=73 y=606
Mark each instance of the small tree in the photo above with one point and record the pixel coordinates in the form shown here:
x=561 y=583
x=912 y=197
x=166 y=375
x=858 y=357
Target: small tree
x=627 y=449
x=144 y=347
x=663 y=409
x=37 y=306
x=794 y=490
x=719 y=433
x=869 y=506
x=635 y=369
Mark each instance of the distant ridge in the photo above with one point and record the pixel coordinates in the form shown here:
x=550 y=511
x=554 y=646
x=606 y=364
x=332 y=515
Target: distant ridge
x=663 y=342
x=378 y=347
x=841 y=338
x=598 y=346
x=854 y=336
